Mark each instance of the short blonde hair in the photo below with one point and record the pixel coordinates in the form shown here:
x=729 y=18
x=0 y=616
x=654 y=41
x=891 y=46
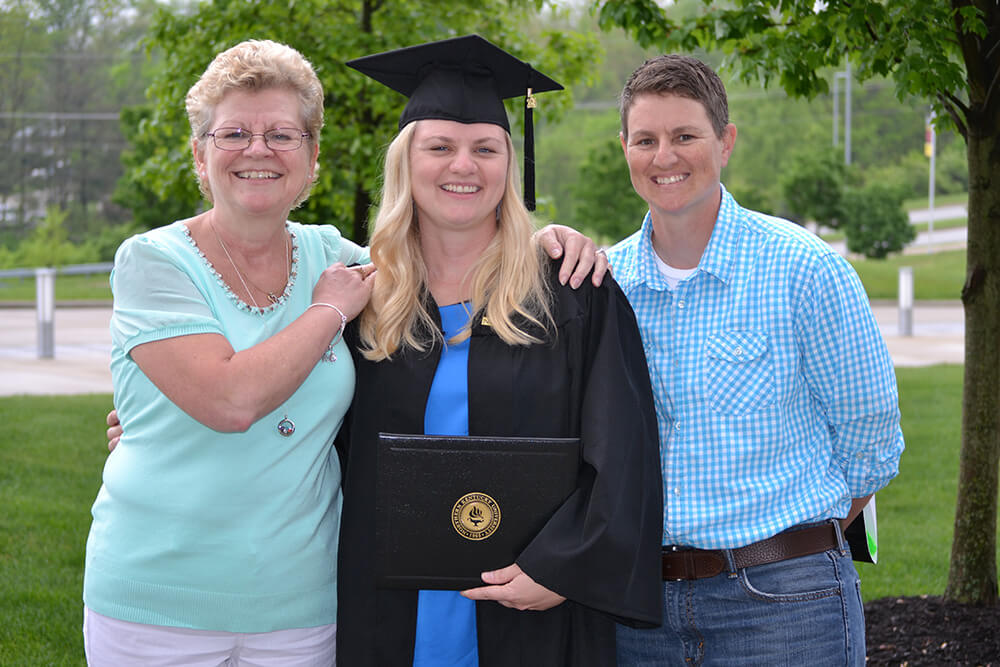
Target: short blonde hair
x=255 y=65
x=508 y=280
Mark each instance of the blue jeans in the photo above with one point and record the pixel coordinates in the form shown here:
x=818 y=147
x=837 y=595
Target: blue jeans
x=802 y=611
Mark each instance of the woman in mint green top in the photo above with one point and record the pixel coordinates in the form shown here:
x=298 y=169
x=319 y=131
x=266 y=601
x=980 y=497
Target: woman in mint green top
x=220 y=507
x=176 y=493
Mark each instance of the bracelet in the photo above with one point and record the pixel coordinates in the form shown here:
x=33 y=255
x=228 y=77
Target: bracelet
x=343 y=321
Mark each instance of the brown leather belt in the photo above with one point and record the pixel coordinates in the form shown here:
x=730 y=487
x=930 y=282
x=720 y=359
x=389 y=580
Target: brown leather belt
x=681 y=563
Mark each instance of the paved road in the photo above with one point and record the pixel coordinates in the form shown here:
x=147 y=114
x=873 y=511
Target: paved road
x=939 y=239
x=949 y=212
x=83 y=343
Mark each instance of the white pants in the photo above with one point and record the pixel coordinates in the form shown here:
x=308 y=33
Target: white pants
x=109 y=642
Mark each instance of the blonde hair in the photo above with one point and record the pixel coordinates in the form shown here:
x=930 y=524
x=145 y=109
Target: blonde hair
x=256 y=65
x=508 y=280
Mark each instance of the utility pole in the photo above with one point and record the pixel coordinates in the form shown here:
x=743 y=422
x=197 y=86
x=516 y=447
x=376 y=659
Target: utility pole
x=930 y=150
x=846 y=76
x=836 y=108
x=847 y=113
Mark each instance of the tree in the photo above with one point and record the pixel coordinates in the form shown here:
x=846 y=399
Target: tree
x=137 y=190
x=875 y=221
x=65 y=70
x=361 y=115
x=818 y=187
x=947 y=52
x=814 y=188
x=603 y=197
x=48 y=245
x=20 y=34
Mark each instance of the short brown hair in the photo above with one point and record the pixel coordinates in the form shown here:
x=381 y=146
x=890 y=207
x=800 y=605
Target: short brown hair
x=676 y=74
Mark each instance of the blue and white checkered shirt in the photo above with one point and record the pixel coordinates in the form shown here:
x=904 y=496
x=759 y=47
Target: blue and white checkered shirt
x=775 y=394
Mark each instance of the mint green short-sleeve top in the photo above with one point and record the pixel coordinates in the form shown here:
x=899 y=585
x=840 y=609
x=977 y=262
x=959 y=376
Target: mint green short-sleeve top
x=202 y=529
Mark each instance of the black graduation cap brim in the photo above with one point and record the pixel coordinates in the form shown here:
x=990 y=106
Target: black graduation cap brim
x=463 y=79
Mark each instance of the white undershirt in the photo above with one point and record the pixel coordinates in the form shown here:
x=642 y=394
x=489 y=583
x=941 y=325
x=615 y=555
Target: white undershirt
x=670 y=274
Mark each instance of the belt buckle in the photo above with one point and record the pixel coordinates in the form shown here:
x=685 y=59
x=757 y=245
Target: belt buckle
x=675 y=550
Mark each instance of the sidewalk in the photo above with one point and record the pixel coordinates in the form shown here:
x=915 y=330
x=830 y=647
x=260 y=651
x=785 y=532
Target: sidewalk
x=938 y=333
x=82 y=352
x=83 y=344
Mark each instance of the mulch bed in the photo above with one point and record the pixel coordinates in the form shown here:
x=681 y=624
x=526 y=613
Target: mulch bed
x=931 y=631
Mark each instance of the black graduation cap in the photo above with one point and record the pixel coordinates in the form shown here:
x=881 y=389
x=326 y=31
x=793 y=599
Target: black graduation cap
x=464 y=79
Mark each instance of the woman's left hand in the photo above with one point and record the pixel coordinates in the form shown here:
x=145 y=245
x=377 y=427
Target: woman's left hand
x=579 y=254
x=114 y=429
x=512 y=588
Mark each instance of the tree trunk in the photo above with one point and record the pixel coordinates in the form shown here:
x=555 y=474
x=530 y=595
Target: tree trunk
x=972 y=577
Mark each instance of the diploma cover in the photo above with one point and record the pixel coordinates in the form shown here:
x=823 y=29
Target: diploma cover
x=451 y=507
x=862 y=535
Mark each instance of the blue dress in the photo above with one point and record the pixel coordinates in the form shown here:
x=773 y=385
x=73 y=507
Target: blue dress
x=446 y=621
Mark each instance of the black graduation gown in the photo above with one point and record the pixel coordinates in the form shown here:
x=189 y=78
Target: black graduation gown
x=601 y=549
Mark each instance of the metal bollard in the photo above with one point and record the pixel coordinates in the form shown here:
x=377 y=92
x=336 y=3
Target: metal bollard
x=45 y=309
x=906 y=301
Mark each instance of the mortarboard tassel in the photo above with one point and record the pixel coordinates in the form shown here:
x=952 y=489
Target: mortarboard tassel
x=529 y=152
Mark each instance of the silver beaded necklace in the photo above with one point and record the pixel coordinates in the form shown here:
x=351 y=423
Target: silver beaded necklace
x=286 y=426
x=270 y=295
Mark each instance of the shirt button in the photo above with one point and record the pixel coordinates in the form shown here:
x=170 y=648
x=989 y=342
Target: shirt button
x=676 y=491
x=739 y=351
x=680 y=304
x=677 y=426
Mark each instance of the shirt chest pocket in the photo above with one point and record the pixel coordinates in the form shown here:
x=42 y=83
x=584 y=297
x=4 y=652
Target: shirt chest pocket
x=739 y=372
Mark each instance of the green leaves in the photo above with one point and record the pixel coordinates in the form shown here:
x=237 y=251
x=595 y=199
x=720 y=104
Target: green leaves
x=603 y=197
x=813 y=187
x=795 y=40
x=875 y=221
x=971 y=20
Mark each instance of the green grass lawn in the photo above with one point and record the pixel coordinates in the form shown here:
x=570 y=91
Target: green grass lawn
x=52 y=452
x=68 y=288
x=939 y=200
x=916 y=512
x=953 y=223
x=937 y=276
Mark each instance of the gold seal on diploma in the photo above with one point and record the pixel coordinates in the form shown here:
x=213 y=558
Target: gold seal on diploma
x=475 y=516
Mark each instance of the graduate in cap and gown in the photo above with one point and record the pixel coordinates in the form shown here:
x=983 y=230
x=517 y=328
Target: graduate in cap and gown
x=469 y=332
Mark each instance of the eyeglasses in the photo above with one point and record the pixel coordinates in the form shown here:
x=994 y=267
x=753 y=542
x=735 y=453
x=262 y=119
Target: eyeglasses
x=238 y=139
